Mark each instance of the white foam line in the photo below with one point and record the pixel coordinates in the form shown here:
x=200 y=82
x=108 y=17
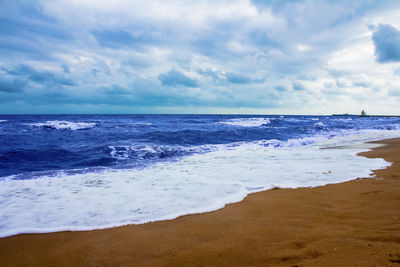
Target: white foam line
x=32 y=230
x=196 y=184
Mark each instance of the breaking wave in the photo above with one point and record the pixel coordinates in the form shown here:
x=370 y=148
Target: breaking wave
x=64 y=125
x=246 y=122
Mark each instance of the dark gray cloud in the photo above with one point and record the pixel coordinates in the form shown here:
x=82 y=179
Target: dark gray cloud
x=137 y=63
x=117 y=90
x=27 y=32
x=386 y=39
x=65 y=68
x=337 y=73
x=341 y=84
x=209 y=73
x=237 y=78
x=115 y=38
x=281 y=88
x=39 y=76
x=12 y=86
x=176 y=78
x=298 y=86
x=361 y=84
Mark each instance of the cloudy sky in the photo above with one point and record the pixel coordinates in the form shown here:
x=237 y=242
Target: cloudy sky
x=264 y=57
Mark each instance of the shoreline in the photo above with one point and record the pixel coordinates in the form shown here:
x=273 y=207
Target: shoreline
x=355 y=223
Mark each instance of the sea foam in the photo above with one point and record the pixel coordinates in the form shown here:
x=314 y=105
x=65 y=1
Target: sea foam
x=160 y=151
x=68 y=125
x=246 y=122
x=197 y=183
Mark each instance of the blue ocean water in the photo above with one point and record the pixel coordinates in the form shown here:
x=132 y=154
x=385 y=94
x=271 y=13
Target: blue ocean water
x=31 y=145
x=82 y=172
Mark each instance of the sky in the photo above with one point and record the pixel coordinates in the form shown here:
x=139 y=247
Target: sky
x=209 y=56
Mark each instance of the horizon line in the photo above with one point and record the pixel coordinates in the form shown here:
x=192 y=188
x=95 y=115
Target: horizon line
x=190 y=114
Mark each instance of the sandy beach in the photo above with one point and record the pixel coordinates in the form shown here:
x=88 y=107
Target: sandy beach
x=356 y=223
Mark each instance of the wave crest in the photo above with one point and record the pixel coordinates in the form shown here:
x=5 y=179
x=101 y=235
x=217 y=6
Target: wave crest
x=145 y=152
x=247 y=122
x=66 y=125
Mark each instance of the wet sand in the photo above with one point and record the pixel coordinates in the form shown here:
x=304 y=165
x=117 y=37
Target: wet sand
x=356 y=223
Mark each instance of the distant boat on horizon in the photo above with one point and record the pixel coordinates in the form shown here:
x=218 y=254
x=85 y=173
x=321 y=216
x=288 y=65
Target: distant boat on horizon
x=363 y=114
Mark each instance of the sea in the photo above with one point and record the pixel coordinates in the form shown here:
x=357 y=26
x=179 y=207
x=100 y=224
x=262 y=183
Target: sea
x=83 y=172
